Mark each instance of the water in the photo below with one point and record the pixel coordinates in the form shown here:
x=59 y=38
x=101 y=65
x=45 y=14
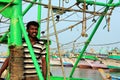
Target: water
x=82 y=73
x=115 y=75
x=79 y=73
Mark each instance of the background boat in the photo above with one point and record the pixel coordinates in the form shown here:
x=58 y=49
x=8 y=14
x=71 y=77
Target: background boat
x=91 y=61
x=112 y=60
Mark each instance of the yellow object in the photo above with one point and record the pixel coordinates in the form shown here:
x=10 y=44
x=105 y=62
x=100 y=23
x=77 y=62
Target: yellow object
x=105 y=76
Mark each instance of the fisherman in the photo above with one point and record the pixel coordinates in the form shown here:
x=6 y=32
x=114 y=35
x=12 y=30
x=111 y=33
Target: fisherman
x=39 y=51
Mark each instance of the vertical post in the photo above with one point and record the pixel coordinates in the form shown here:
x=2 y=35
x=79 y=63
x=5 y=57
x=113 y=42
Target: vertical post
x=39 y=19
x=47 y=63
x=31 y=4
x=89 y=39
x=15 y=43
x=15 y=30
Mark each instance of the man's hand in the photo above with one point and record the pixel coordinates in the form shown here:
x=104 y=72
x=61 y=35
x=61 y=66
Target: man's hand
x=44 y=67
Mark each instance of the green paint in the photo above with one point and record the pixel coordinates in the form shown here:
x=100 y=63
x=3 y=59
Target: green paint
x=61 y=78
x=115 y=57
x=113 y=67
x=29 y=6
x=15 y=30
x=4 y=11
x=4 y=38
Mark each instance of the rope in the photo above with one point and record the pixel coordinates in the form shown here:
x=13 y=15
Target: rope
x=108 y=20
x=58 y=47
x=77 y=37
x=68 y=46
x=90 y=44
x=62 y=6
x=58 y=11
x=70 y=27
x=73 y=47
x=80 y=35
x=84 y=21
x=59 y=3
x=48 y=71
x=86 y=30
x=66 y=9
x=6 y=6
x=94 y=8
x=61 y=20
x=112 y=43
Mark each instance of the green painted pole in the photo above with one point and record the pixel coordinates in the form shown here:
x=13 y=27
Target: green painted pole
x=15 y=42
x=15 y=30
x=30 y=5
x=89 y=39
x=31 y=50
x=47 y=58
x=38 y=19
x=4 y=37
x=117 y=4
x=91 y=2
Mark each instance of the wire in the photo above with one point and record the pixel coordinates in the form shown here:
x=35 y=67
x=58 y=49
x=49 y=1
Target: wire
x=58 y=47
x=48 y=15
x=6 y=6
x=112 y=43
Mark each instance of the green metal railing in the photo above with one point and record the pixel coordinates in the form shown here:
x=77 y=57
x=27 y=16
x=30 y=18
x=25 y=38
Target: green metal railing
x=17 y=28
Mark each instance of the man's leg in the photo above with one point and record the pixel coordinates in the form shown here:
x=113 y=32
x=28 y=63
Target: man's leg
x=31 y=78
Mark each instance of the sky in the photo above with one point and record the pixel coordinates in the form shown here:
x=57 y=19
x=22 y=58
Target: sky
x=71 y=36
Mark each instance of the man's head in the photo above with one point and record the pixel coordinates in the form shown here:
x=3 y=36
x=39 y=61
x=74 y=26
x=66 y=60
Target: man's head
x=34 y=23
x=32 y=29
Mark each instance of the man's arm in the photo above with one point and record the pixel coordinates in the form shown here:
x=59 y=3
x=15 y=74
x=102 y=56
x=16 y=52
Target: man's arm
x=4 y=66
x=44 y=67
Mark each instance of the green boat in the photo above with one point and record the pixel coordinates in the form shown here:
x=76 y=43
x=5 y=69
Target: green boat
x=12 y=10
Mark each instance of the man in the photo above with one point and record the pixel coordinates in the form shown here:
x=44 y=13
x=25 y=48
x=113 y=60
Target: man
x=39 y=51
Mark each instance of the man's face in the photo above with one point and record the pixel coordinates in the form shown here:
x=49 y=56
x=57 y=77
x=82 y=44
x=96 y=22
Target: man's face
x=32 y=31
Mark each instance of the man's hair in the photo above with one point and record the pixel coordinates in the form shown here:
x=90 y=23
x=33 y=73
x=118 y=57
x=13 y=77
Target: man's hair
x=34 y=23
